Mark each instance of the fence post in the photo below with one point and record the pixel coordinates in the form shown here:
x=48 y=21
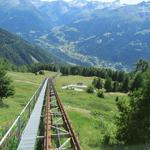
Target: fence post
x=4 y=146
x=29 y=113
x=19 y=127
x=35 y=97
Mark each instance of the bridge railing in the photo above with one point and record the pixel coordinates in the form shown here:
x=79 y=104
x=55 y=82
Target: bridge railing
x=12 y=137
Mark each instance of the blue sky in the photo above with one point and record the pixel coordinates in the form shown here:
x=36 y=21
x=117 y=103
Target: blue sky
x=122 y=1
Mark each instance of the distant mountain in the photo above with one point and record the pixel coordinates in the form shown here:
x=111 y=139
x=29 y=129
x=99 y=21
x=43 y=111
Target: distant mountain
x=21 y=16
x=61 y=12
x=107 y=34
x=83 y=32
x=19 y=51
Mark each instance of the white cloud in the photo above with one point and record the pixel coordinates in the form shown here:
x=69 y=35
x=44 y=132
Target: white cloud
x=131 y=1
x=122 y=1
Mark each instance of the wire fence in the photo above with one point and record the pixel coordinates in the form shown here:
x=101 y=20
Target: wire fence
x=11 y=138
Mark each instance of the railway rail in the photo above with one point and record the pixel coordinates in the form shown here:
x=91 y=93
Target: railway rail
x=59 y=133
x=47 y=118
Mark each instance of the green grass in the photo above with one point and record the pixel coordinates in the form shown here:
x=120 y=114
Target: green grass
x=90 y=115
x=25 y=85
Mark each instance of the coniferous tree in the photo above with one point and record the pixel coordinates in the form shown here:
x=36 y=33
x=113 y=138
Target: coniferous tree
x=115 y=87
x=125 y=85
x=137 y=82
x=97 y=82
x=6 y=89
x=94 y=82
x=133 y=123
x=142 y=66
x=108 y=85
x=120 y=76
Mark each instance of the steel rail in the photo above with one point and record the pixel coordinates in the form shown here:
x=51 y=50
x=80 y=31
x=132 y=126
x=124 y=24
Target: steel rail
x=47 y=139
x=73 y=139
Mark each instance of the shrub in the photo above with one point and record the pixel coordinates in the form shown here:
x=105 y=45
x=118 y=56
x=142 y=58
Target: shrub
x=41 y=72
x=100 y=94
x=97 y=83
x=117 y=99
x=90 y=89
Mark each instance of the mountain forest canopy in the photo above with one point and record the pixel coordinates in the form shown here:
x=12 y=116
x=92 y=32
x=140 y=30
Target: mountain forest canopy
x=20 y=52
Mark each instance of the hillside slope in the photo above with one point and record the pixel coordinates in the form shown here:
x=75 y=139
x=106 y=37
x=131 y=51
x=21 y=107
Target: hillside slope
x=19 y=51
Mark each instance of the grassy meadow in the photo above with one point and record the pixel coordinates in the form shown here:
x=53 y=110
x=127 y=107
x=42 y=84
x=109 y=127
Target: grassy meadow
x=90 y=116
x=25 y=85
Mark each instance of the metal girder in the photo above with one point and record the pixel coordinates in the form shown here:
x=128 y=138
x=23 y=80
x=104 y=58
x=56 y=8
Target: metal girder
x=59 y=134
x=47 y=140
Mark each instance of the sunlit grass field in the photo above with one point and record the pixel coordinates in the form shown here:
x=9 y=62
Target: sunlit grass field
x=25 y=85
x=90 y=116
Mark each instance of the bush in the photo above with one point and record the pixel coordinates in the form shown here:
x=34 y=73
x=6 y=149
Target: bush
x=108 y=85
x=100 y=94
x=90 y=89
x=36 y=73
x=41 y=72
x=97 y=83
x=117 y=99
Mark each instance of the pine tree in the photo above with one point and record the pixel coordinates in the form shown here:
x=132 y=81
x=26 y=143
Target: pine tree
x=137 y=82
x=141 y=66
x=6 y=89
x=115 y=87
x=97 y=82
x=108 y=85
x=125 y=85
x=133 y=123
x=120 y=76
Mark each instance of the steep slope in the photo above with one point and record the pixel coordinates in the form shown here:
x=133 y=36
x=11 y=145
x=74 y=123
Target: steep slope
x=19 y=51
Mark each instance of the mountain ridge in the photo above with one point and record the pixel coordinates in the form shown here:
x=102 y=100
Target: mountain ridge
x=110 y=34
x=20 y=52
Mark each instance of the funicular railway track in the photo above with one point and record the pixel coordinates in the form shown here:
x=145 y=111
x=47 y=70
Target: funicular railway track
x=47 y=127
x=59 y=134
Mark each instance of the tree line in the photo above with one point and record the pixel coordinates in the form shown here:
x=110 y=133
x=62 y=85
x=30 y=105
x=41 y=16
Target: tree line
x=104 y=73
x=115 y=81
x=112 y=86
x=133 y=122
x=133 y=118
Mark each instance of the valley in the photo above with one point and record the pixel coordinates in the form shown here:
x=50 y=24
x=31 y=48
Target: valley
x=83 y=33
